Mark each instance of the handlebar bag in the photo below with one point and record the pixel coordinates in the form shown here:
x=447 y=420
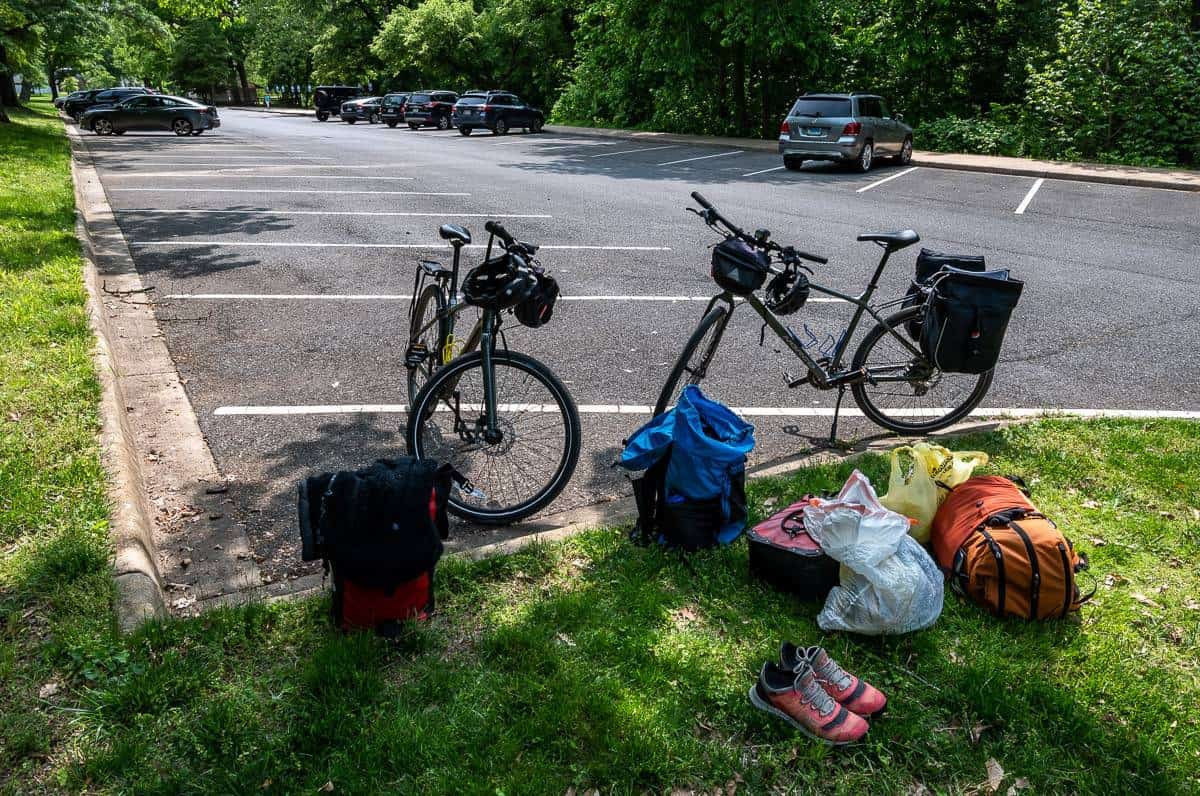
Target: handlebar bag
x=966 y=318
x=738 y=267
x=929 y=263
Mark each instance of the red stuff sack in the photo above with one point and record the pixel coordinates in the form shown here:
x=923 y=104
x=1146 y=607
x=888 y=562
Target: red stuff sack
x=357 y=607
x=785 y=556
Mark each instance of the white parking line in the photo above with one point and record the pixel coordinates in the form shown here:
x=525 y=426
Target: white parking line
x=200 y=158
x=446 y=214
x=247 y=167
x=207 y=175
x=745 y=411
x=1020 y=211
x=291 y=244
x=702 y=157
x=764 y=171
x=286 y=190
x=633 y=151
x=877 y=183
x=406 y=297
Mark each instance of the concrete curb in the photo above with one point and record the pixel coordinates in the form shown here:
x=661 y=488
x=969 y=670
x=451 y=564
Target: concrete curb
x=139 y=583
x=1080 y=172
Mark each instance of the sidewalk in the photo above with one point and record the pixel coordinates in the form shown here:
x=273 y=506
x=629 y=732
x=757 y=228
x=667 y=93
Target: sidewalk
x=1172 y=179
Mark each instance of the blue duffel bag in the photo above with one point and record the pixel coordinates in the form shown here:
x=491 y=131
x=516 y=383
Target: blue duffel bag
x=693 y=491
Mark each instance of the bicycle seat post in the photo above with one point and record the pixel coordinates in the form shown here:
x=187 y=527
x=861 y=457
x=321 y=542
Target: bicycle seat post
x=457 y=244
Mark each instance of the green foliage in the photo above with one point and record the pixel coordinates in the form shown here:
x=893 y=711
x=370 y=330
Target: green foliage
x=201 y=57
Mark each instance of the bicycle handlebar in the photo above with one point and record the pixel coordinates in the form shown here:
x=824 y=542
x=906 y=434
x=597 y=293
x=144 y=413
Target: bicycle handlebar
x=497 y=229
x=712 y=214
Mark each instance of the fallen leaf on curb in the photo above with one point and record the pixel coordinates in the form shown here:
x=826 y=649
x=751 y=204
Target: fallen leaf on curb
x=1168 y=515
x=1144 y=600
x=1175 y=634
x=995 y=774
x=769 y=502
x=1021 y=784
x=1090 y=504
x=1191 y=604
x=1112 y=579
x=978 y=730
x=48 y=690
x=1097 y=541
x=266 y=784
x=327 y=787
x=1196 y=515
x=564 y=639
x=917 y=789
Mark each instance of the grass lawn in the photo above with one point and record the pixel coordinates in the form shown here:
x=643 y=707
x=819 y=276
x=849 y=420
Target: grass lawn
x=586 y=664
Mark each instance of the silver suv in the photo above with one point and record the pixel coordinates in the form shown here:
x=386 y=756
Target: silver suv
x=848 y=128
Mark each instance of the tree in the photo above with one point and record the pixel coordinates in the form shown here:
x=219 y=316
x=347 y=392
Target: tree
x=201 y=58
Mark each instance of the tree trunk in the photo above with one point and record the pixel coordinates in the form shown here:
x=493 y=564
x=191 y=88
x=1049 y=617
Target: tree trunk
x=26 y=91
x=8 y=96
x=240 y=65
x=53 y=81
x=739 y=87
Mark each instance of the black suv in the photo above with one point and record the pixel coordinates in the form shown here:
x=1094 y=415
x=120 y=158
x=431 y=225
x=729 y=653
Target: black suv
x=328 y=100
x=426 y=108
x=498 y=111
x=391 y=110
x=108 y=96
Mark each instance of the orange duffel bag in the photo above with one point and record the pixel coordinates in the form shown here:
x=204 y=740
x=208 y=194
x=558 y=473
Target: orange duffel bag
x=1003 y=553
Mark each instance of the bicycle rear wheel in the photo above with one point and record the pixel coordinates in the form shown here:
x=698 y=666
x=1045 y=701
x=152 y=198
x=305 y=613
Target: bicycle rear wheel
x=535 y=454
x=693 y=363
x=904 y=392
x=428 y=331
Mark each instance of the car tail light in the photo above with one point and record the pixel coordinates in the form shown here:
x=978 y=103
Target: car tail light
x=430 y=105
x=784 y=127
x=854 y=128
x=484 y=108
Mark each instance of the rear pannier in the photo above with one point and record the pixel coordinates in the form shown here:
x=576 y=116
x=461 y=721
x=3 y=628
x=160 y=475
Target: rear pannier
x=929 y=263
x=738 y=267
x=966 y=317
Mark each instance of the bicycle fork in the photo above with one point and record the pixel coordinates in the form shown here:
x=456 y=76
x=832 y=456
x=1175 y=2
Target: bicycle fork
x=491 y=434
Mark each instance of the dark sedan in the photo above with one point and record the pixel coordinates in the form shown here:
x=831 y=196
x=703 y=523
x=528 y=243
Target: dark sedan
x=363 y=109
x=154 y=112
x=105 y=98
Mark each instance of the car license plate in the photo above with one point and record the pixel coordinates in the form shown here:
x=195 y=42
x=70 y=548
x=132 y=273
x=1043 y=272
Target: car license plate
x=470 y=113
x=814 y=131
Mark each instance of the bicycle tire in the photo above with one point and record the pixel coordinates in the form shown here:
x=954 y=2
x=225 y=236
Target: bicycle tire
x=715 y=320
x=874 y=413
x=453 y=372
x=417 y=380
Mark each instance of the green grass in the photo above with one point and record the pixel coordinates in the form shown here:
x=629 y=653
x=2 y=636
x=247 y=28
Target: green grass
x=589 y=663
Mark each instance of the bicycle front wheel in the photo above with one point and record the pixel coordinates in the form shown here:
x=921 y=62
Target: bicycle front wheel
x=525 y=464
x=905 y=392
x=694 y=360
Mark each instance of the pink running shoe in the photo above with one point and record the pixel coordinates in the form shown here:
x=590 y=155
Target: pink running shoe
x=858 y=695
x=798 y=699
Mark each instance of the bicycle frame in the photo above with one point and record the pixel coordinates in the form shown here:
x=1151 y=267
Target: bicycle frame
x=828 y=375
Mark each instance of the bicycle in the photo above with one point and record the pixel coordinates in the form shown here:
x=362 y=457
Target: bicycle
x=502 y=420
x=887 y=363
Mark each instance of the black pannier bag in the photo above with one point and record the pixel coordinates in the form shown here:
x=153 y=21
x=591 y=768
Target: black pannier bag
x=785 y=556
x=965 y=319
x=379 y=531
x=536 y=310
x=930 y=263
x=738 y=267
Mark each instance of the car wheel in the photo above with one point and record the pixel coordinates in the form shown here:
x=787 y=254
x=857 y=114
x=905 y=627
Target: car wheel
x=536 y=125
x=501 y=127
x=102 y=126
x=464 y=131
x=181 y=127
x=905 y=152
x=412 y=126
x=793 y=164
x=391 y=124
x=443 y=123
x=374 y=118
x=865 y=157
x=322 y=116
x=349 y=121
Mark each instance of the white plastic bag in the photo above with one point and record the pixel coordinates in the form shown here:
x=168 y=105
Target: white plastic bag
x=893 y=586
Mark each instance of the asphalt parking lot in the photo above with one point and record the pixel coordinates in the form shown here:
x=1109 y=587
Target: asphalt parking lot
x=280 y=251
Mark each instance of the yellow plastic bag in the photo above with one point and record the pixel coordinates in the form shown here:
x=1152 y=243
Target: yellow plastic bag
x=949 y=468
x=917 y=488
x=911 y=490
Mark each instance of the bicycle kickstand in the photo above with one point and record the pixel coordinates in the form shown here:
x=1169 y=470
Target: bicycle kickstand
x=837 y=408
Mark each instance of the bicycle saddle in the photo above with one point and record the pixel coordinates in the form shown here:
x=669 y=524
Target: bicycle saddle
x=892 y=241
x=453 y=232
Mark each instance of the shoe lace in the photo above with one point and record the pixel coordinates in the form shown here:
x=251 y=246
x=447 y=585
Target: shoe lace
x=811 y=693
x=830 y=672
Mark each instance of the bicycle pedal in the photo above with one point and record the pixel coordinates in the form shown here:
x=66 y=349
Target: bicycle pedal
x=794 y=383
x=416 y=355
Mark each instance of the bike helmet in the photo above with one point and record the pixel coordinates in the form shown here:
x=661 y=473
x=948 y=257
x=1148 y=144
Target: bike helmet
x=787 y=292
x=499 y=283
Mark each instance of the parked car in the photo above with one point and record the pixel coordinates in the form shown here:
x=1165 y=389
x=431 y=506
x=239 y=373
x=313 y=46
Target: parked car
x=498 y=111
x=430 y=108
x=151 y=112
x=79 y=101
x=391 y=110
x=61 y=99
x=848 y=128
x=362 y=109
x=328 y=99
x=111 y=96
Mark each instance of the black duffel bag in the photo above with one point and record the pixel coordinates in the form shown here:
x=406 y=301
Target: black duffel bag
x=966 y=317
x=929 y=263
x=739 y=267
